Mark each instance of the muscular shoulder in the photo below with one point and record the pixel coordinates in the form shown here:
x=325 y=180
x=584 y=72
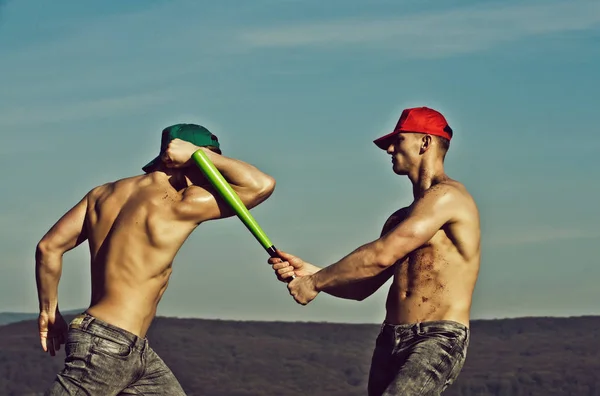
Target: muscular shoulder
x=196 y=195
x=197 y=204
x=444 y=193
x=450 y=197
x=103 y=191
x=99 y=191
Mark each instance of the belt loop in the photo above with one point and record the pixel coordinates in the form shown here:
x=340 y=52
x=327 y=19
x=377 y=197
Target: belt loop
x=418 y=328
x=81 y=321
x=88 y=320
x=381 y=329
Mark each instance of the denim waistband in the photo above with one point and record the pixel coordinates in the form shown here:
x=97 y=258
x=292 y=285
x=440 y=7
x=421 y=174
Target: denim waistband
x=90 y=324
x=426 y=327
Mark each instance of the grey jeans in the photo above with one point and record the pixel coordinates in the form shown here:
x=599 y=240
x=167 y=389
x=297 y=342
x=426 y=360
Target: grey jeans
x=104 y=360
x=417 y=359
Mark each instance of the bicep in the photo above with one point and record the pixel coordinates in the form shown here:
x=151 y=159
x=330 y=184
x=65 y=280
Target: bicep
x=69 y=231
x=427 y=217
x=205 y=203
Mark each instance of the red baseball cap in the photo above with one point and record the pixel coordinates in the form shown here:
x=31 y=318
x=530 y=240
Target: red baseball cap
x=418 y=120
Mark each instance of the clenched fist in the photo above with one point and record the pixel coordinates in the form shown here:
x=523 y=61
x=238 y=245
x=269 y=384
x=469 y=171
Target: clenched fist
x=179 y=153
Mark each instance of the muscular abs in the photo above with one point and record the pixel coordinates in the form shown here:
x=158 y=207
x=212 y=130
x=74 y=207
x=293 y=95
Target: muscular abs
x=434 y=282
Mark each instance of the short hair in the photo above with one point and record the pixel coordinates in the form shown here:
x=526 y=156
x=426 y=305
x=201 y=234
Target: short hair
x=214 y=149
x=443 y=144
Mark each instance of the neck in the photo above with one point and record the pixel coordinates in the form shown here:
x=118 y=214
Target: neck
x=177 y=177
x=428 y=174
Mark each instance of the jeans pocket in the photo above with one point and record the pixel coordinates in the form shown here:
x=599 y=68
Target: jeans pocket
x=107 y=347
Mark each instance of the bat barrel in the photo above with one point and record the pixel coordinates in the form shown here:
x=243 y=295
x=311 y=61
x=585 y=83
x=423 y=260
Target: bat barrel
x=229 y=195
x=220 y=184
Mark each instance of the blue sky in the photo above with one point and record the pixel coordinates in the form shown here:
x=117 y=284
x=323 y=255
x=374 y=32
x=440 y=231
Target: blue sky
x=300 y=89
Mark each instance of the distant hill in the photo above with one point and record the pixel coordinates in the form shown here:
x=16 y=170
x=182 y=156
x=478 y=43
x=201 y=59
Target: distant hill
x=13 y=317
x=525 y=356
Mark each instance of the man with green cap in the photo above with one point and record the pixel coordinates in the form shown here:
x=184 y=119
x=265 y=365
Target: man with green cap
x=134 y=226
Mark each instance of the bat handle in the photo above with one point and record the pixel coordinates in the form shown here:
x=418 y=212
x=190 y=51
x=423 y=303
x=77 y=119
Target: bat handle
x=273 y=253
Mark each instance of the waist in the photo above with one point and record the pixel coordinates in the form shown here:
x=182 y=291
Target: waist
x=130 y=315
x=451 y=327
x=91 y=324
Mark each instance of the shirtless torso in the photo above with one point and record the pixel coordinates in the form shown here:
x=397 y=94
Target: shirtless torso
x=134 y=230
x=135 y=227
x=436 y=280
x=433 y=280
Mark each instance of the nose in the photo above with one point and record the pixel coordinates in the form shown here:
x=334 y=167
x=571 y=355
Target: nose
x=390 y=149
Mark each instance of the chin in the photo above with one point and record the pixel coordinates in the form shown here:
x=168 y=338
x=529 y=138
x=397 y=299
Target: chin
x=399 y=171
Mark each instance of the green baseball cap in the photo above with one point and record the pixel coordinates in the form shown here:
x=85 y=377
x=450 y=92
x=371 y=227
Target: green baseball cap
x=192 y=133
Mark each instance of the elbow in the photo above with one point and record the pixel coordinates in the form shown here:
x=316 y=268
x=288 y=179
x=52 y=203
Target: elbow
x=44 y=251
x=388 y=250
x=266 y=187
x=269 y=184
x=384 y=258
x=260 y=191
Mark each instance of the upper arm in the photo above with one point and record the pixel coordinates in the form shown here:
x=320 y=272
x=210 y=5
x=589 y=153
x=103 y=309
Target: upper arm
x=68 y=232
x=201 y=204
x=428 y=215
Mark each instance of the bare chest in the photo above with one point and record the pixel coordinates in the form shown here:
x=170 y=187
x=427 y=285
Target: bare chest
x=426 y=263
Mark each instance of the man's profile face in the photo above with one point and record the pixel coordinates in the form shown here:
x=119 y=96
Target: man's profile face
x=405 y=149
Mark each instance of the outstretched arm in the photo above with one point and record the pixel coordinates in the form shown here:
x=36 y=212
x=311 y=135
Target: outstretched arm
x=359 y=290
x=428 y=215
x=66 y=234
x=366 y=287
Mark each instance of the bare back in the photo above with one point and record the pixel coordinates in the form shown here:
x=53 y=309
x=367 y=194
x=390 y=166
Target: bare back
x=134 y=232
x=436 y=281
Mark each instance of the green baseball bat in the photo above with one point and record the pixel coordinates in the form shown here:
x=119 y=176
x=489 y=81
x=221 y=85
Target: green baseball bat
x=222 y=186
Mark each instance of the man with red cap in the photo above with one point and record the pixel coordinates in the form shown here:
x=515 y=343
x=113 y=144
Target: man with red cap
x=431 y=249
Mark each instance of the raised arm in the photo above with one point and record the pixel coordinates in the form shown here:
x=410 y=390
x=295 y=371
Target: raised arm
x=202 y=203
x=427 y=216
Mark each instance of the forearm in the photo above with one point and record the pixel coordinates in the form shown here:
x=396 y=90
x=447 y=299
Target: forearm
x=47 y=272
x=358 y=291
x=362 y=289
x=362 y=264
x=354 y=291
x=349 y=292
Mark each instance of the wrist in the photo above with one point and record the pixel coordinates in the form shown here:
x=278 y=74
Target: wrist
x=195 y=156
x=48 y=308
x=194 y=149
x=316 y=282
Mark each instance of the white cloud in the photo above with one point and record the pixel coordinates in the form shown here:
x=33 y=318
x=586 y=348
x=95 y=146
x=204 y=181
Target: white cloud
x=435 y=34
x=34 y=115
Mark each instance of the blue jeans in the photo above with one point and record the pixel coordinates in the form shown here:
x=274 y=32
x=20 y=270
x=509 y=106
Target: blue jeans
x=102 y=359
x=417 y=359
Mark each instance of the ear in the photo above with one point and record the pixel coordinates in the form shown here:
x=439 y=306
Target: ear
x=426 y=142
